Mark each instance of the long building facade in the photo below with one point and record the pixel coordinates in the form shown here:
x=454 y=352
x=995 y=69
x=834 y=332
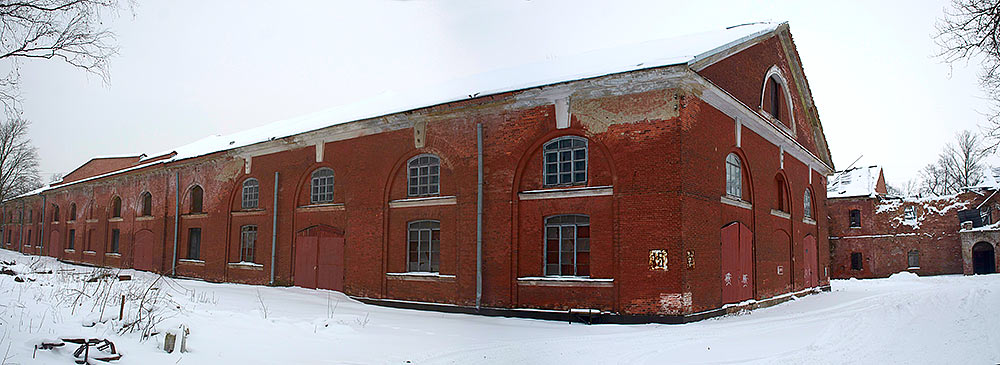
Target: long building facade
x=658 y=190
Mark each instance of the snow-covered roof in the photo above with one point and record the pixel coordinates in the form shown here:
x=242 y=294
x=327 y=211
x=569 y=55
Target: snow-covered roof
x=665 y=52
x=685 y=49
x=859 y=181
x=990 y=180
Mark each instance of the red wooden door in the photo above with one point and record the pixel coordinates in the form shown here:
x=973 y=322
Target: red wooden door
x=319 y=258
x=810 y=261
x=330 y=273
x=306 y=261
x=142 y=252
x=737 y=263
x=53 y=243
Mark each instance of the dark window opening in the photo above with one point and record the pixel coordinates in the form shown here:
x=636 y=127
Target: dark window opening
x=196 y=199
x=248 y=239
x=115 y=237
x=856 y=261
x=55 y=213
x=71 y=243
x=72 y=212
x=567 y=245
x=913 y=259
x=116 y=207
x=775 y=107
x=855 y=218
x=147 y=204
x=423 y=246
x=194 y=244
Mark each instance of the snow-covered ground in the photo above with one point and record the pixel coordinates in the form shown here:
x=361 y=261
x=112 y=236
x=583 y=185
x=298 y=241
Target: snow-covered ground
x=903 y=319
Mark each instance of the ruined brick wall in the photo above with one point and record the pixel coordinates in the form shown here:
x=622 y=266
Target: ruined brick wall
x=886 y=237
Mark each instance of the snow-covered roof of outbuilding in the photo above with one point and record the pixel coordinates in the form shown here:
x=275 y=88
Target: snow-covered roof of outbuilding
x=665 y=52
x=856 y=182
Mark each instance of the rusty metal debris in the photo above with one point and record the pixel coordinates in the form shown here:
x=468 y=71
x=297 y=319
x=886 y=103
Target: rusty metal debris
x=106 y=349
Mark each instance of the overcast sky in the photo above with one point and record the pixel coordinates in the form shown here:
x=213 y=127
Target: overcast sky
x=189 y=69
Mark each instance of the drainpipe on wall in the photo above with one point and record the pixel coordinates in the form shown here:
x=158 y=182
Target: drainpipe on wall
x=274 y=226
x=41 y=240
x=20 y=236
x=479 y=217
x=177 y=215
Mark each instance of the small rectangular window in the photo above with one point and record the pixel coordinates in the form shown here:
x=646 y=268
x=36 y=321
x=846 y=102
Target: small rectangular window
x=115 y=236
x=194 y=243
x=855 y=218
x=72 y=239
x=856 y=261
x=913 y=259
x=248 y=239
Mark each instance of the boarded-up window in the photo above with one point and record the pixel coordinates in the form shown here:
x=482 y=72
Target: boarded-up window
x=196 y=199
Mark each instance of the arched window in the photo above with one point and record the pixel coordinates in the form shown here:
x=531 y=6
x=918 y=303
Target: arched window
x=147 y=204
x=734 y=176
x=913 y=259
x=807 y=205
x=196 y=199
x=423 y=175
x=774 y=107
x=782 y=194
x=251 y=191
x=55 y=213
x=322 y=186
x=116 y=207
x=567 y=245
x=565 y=161
x=423 y=246
x=72 y=211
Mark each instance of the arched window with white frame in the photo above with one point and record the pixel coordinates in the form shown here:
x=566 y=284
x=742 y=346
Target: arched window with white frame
x=807 y=203
x=321 y=186
x=734 y=176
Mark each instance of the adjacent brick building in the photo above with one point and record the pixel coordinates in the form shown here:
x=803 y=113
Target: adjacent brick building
x=659 y=182
x=874 y=234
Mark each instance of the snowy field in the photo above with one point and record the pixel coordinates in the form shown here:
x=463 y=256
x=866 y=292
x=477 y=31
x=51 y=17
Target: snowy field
x=903 y=319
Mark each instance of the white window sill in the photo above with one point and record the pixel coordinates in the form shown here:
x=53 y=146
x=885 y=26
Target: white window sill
x=245 y=212
x=424 y=201
x=91 y=253
x=913 y=268
x=69 y=250
x=781 y=214
x=325 y=207
x=740 y=203
x=808 y=220
x=246 y=266
x=556 y=193
x=194 y=215
x=145 y=218
x=113 y=254
x=116 y=219
x=420 y=276
x=565 y=281
x=191 y=262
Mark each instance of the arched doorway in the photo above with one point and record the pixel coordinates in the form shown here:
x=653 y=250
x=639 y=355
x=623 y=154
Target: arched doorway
x=319 y=258
x=983 y=259
x=737 y=263
x=142 y=252
x=810 y=261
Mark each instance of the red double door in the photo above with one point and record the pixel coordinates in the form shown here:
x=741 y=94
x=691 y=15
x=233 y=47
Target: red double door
x=737 y=263
x=319 y=258
x=810 y=258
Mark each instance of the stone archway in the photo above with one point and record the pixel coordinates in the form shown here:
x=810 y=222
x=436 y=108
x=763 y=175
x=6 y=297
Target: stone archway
x=983 y=259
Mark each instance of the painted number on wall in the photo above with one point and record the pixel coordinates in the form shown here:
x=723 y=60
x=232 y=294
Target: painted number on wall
x=658 y=260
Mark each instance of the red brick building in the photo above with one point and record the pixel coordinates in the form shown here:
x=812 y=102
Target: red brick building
x=658 y=182
x=874 y=234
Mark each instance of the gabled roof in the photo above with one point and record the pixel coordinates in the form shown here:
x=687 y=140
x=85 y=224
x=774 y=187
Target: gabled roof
x=856 y=182
x=687 y=49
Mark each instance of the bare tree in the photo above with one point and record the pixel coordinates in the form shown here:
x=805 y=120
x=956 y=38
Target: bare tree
x=934 y=180
x=965 y=160
x=67 y=30
x=18 y=160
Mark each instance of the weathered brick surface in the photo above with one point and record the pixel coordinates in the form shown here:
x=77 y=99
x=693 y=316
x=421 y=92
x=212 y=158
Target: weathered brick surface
x=651 y=138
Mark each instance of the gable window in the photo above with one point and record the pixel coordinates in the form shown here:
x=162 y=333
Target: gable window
x=251 y=191
x=423 y=246
x=807 y=204
x=115 y=237
x=774 y=108
x=147 y=204
x=248 y=239
x=567 y=245
x=322 y=186
x=734 y=176
x=565 y=161
x=194 y=243
x=855 y=216
x=913 y=259
x=116 y=207
x=856 y=261
x=197 y=194
x=910 y=213
x=423 y=175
